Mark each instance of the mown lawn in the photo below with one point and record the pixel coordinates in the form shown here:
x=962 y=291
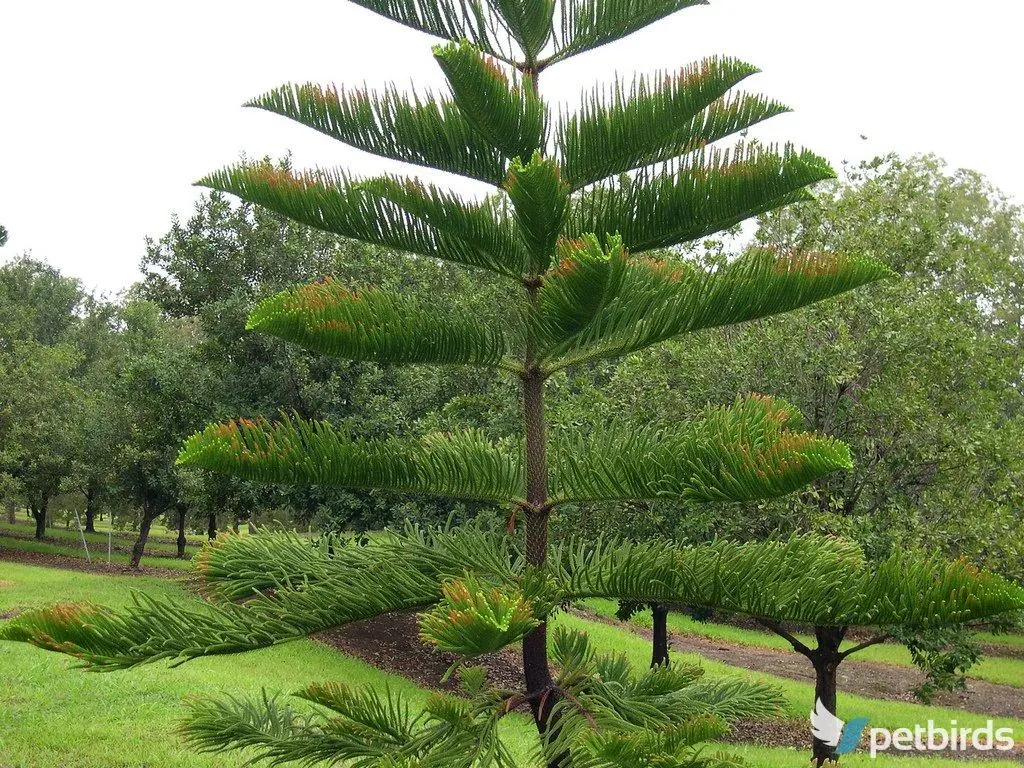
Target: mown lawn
x=995 y=669
x=53 y=716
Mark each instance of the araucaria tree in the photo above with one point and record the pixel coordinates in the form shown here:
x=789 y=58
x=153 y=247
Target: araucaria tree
x=576 y=201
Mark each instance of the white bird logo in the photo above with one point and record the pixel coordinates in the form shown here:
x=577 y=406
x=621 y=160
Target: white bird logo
x=825 y=726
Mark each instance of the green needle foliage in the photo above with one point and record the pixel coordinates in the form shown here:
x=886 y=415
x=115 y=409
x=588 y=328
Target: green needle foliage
x=573 y=202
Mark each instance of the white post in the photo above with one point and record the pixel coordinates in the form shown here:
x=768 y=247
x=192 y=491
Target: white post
x=82 y=534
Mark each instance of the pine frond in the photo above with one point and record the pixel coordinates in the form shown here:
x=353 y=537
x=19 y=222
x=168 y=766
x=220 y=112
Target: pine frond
x=529 y=22
x=166 y=629
x=426 y=131
x=278 y=735
x=741 y=453
x=378 y=715
x=297 y=452
x=540 y=198
x=599 y=304
x=376 y=325
x=703 y=195
x=657 y=119
x=588 y=24
x=508 y=113
x=474 y=618
x=239 y=567
x=808 y=579
x=456 y=20
x=615 y=714
x=407 y=217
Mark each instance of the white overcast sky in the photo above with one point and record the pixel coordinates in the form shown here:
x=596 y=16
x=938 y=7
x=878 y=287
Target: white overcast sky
x=110 y=110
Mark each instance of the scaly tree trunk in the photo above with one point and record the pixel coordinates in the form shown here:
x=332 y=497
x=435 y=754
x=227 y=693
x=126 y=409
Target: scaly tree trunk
x=211 y=526
x=182 y=512
x=826 y=659
x=659 y=650
x=536 y=672
x=90 y=507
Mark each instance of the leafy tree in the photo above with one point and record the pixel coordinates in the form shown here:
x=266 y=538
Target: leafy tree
x=569 y=235
x=40 y=422
x=3 y=236
x=162 y=393
x=40 y=401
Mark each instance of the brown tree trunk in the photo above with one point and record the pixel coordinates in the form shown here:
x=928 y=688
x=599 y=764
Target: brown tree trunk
x=659 y=650
x=540 y=688
x=38 y=509
x=826 y=660
x=181 y=531
x=90 y=508
x=211 y=526
x=12 y=511
x=149 y=514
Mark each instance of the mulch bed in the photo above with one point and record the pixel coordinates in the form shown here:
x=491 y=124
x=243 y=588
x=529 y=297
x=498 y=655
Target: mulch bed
x=391 y=643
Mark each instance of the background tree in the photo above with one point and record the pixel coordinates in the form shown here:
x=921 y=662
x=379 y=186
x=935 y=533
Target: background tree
x=163 y=394
x=40 y=401
x=568 y=234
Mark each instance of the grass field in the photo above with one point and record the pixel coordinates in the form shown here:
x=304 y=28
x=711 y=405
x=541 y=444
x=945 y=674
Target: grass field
x=995 y=669
x=52 y=716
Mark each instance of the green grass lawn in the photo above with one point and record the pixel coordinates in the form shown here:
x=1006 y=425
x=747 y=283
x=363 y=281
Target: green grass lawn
x=52 y=715
x=995 y=669
x=97 y=555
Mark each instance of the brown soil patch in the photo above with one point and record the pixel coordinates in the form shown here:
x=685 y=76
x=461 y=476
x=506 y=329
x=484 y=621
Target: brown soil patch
x=51 y=560
x=391 y=643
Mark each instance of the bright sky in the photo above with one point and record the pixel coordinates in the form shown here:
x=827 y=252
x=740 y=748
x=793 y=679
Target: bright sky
x=112 y=108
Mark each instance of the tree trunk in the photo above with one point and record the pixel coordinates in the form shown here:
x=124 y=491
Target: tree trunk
x=38 y=509
x=149 y=514
x=181 y=531
x=540 y=688
x=659 y=651
x=211 y=526
x=12 y=512
x=826 y=660
x=90 y=508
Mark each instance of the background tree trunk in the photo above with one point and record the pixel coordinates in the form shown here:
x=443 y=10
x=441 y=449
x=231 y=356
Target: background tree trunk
x=659 y=650
x=90 y=507
x=826 y=659
x=12 y=511
x=182 y=512
x=38 y=509
x=149 y=514
x=211 y=526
